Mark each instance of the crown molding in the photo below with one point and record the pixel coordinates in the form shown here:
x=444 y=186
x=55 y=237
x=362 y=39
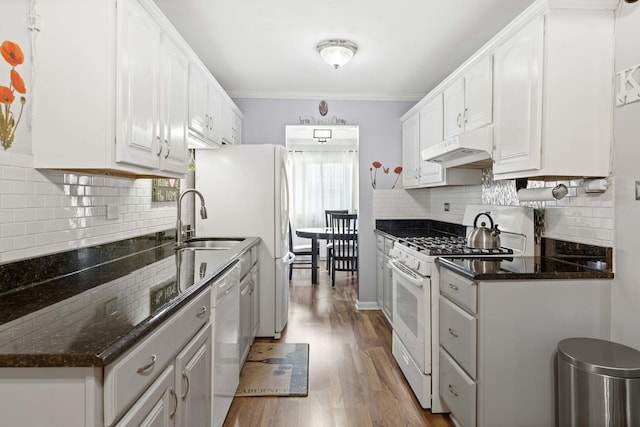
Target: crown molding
x=336 y=96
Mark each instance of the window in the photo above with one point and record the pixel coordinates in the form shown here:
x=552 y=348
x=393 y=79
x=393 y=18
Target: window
x=321 y=175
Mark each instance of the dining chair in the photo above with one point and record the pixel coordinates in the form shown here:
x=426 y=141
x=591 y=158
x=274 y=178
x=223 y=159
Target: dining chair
x=299 y=251
x=327 y=223
x=344 y=241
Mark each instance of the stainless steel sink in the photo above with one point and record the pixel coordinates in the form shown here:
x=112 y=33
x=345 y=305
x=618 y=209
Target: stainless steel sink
x=211 y=243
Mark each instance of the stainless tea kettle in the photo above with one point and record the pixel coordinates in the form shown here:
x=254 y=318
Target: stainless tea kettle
x=483 y=237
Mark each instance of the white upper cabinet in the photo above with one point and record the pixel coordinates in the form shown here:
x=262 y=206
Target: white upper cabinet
x=544 y=83
x=468 y=101
x=232 y=124
x=518 y=100
x=425 y=129
x=410 y=147
x=152 y=94
x=205 y=110
x=431 y=131
x=119 y=105
x=553 y=94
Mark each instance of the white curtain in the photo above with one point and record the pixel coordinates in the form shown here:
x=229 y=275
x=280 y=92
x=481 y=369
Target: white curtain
x=320 y=180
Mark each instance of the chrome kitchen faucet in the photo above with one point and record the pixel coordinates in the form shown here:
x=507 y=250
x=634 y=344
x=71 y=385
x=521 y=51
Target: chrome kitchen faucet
x=203 y=214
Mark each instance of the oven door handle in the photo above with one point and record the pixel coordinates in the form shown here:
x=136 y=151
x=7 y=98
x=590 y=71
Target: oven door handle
x=416 y=281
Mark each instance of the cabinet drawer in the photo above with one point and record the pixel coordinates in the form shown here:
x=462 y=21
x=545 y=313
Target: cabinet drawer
x=192 y=317
x=458 y=335
x=459 y=289
x=128 y=377
x=457 y=390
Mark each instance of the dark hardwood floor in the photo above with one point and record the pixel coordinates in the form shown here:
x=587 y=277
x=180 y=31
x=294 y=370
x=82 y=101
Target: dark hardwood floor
x=353 y=378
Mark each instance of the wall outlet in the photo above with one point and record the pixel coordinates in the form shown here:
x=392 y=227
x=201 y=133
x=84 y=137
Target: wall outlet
x=447 y=207
x=595 y=185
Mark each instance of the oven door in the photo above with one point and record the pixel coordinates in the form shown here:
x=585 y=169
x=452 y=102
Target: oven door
x=411 y=312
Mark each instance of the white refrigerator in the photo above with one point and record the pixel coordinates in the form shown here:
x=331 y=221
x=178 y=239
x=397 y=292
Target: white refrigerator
x=246 y=192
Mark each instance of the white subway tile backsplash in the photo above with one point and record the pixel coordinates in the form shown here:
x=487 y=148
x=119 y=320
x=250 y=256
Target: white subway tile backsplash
x=579 y=217
x=44 y=211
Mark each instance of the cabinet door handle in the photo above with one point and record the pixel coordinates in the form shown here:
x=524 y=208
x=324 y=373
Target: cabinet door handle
x=202 y=312
x=175 y=402
x=211 y=122
x=466 y=115
x=203 y=269
x=148 y=366
x=207 y=120
x=159 y=146
x=185 y=377
x=168 y=149
x=453 y=333
x=459 y=120
x=453 y=287
x=452 y=390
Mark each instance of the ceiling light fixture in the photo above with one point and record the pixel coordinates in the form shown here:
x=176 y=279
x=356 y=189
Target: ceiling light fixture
x=337 y=52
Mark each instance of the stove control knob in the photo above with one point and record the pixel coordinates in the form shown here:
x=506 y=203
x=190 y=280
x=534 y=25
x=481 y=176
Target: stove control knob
x=412 y=263
x=416 y=264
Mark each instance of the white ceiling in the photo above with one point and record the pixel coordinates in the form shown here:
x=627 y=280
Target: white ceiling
x=266 y=48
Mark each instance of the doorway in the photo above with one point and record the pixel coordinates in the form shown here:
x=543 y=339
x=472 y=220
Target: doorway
x=322 y=166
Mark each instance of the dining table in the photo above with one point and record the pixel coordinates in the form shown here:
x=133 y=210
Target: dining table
x=315 y=234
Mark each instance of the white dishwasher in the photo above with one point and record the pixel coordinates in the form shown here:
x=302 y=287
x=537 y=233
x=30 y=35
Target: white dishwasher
x=225 y=299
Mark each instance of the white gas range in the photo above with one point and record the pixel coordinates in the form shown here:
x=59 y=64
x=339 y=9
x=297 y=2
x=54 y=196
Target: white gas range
x=415 y=288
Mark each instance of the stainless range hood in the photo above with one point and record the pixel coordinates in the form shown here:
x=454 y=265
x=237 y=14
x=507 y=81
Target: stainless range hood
x=471 y=149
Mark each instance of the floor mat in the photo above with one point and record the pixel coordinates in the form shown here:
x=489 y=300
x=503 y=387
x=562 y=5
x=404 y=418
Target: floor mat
x=275 y=369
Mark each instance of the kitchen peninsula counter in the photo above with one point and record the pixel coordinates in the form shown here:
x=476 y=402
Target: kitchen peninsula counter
x=90 y=316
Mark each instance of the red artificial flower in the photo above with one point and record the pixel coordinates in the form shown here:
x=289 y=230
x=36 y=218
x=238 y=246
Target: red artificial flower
x=6 y=95
x=17 y=82
x=12 y=53
x=376 y=165
x=398 y=170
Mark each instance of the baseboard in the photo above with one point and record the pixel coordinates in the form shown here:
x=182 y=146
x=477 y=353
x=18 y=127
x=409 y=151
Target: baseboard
x=369 y=305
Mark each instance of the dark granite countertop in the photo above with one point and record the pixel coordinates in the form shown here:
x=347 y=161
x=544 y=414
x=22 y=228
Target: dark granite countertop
x=525 y=268
x=399 y=228
x=559 y=260
x=91 y=316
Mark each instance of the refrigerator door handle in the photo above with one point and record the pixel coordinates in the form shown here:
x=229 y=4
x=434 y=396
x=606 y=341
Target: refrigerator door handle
x=288 y=258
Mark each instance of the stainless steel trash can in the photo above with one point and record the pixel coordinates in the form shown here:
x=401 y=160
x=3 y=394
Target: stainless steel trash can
x=598 y=383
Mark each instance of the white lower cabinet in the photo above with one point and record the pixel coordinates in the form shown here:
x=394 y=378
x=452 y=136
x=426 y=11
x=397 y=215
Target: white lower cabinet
x=193 y=381
x=498 y=341
x=249 y=315
x=157 y=406
x=181 y=395
x=130 y=382
x=384 y=285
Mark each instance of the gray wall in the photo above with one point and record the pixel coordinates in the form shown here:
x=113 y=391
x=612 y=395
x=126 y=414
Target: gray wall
x=380 y=139
x=626 y=158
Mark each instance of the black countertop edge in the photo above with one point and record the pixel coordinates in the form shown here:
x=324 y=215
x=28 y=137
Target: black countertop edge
x=132 y=336
x=577 y=271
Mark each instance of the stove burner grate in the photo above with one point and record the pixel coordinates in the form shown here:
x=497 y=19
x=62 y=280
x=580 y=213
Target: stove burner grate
x=449 y=246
